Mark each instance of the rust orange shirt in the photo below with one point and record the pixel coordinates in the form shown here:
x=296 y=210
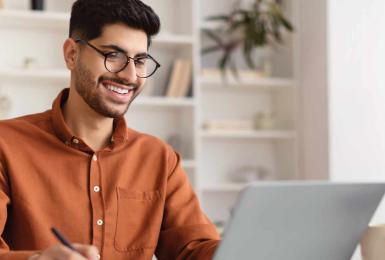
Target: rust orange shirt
x=131 y=199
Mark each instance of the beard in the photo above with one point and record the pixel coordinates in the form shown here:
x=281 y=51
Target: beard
x=90 y=92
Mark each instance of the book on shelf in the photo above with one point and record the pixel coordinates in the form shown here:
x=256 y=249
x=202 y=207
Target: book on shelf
x=180 y=78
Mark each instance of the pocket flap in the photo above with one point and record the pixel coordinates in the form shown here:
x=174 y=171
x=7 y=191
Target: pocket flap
x=138 y=195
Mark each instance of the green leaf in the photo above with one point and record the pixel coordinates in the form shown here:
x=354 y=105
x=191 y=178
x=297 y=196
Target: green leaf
x=247 y=51
x=214 y=36
x=257 y=26
x=277 y=13
x=211 y=49
x=218 y=17
x=286 y=24
x=275 y=30
x=234 y=26
x=223 y=62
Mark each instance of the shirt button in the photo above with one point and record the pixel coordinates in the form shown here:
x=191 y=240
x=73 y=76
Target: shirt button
x=75 y=141
x=94 y=157
x=99 y=222
x=96 y=188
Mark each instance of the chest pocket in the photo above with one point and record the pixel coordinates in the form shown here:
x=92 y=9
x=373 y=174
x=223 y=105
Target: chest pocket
x=139 y=219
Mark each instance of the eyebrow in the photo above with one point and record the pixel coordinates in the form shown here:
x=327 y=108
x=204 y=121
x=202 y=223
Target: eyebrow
x=117 y=48
x=114 y=47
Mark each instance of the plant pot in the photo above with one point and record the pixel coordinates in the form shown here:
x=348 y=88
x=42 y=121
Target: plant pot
x=37 y=5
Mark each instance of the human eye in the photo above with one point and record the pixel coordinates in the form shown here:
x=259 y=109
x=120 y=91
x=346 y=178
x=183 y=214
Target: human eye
x=141 y=61
x=114 y=55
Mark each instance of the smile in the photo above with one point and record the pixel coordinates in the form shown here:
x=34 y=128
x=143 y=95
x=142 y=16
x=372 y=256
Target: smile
x=117 y=90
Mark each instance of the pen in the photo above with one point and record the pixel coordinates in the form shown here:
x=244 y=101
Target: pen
x=62 y=239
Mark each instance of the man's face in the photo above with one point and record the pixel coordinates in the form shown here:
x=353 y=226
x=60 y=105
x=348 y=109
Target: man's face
x=110 y=94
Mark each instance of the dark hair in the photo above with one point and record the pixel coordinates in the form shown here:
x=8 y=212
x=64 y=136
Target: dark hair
x=88 y=17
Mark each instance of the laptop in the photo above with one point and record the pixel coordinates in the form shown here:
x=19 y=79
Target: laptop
x=299 y=221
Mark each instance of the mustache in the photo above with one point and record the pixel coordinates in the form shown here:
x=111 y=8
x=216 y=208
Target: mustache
x=118 y=81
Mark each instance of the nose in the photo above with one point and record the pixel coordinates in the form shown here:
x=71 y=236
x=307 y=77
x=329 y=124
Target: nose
x=129 y=73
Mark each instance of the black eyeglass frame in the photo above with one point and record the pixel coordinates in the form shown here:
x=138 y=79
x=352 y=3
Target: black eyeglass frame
x=105 y=55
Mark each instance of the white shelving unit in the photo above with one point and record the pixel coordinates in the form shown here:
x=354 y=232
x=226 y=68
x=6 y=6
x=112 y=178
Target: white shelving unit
x=11 y=75
x=256 y=84
x=248 y=134
x=164 y=102
x=225 y=154
x=172 y=39
x=26 y=18
x=224 y=187
x=210 y=157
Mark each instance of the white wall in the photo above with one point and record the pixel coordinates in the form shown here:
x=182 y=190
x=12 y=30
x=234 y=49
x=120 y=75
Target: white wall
x=357 y=89
x=342 y=80
x=356 y=68
x=356 y=55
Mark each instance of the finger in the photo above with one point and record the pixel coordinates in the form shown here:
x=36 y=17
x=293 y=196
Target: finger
x=89 y=251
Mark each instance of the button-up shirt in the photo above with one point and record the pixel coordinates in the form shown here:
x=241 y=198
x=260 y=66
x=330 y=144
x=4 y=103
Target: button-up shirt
x=131 y=199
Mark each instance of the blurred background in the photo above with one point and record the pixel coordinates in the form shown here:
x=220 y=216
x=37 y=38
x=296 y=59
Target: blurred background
x=248 y=90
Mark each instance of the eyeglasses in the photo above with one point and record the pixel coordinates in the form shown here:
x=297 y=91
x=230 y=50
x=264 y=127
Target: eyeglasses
x=116 y=61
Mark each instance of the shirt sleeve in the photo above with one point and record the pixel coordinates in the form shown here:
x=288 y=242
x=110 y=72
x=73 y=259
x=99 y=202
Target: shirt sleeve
x=5 y=252
x=186 y=232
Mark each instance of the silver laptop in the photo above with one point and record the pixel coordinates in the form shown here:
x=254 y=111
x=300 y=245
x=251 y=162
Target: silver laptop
x=299 y=221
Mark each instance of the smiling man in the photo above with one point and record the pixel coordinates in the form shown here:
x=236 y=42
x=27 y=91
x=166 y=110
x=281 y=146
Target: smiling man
x=115 y=193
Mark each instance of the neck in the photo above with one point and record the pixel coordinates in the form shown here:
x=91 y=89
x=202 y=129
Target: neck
x=94 y=129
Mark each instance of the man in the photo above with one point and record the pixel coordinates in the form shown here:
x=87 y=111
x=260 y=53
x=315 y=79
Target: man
x=114 y=193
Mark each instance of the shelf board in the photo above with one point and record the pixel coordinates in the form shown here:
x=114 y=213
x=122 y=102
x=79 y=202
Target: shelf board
x=248 y=134
x=35 y=74
x=209 y=25
x=144 y=101
x=173 y=39
x=188 y=164
x=224 y=187
x=60 y=20
x=64 y=75
x=249 y=84
x=28 y=18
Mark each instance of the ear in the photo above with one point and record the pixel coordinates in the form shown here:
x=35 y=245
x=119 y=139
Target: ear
x=70 y=51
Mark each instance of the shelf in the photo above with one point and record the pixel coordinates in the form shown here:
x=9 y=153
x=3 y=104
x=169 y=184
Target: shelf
x=188 y=164
x=34 y=74
x=64 y=75
x=247 y=84
x=224 y=187
x=163 y=102
x=41 y=19
x=57 y=20
x=173 y=39
x=210 y=25
x=248 y=134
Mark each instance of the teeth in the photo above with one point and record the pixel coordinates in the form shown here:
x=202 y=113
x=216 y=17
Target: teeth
x=117 y=90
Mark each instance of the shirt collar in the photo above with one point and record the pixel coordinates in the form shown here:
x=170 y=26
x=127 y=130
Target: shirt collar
x=63 y=132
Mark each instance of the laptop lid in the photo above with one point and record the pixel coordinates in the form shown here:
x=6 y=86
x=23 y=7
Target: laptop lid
x=299 y=221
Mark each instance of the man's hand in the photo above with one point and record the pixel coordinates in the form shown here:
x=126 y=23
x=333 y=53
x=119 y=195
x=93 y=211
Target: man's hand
x=60 y=252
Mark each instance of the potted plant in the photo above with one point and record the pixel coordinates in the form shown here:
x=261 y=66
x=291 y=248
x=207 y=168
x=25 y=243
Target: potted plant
x=260 y=25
